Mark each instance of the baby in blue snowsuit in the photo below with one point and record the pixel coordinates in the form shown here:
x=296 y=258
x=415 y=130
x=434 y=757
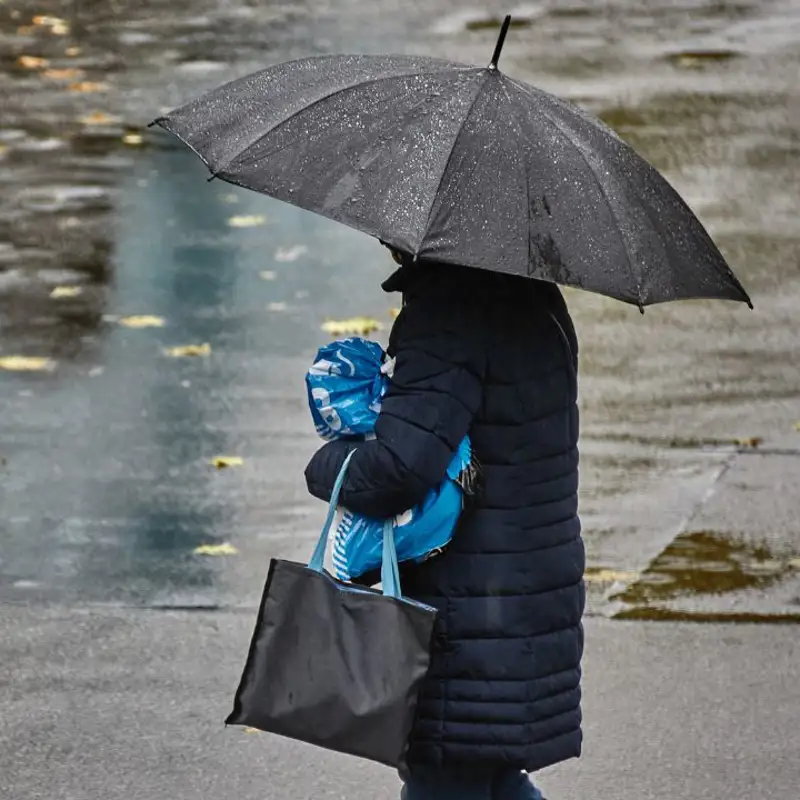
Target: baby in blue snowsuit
x=345 y=386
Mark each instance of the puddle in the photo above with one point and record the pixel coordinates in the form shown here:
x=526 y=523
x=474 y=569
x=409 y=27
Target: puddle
x=703 y=563
x=474 y=20
x=697 y=59
x=572 y=12
x=490 y=23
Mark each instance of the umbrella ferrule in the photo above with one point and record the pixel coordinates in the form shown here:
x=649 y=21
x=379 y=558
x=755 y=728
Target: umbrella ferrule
x=500 y=42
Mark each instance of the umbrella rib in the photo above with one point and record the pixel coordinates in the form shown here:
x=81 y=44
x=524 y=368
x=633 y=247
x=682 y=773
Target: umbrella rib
x=527 y=176
x=461 y=127
x=318 y=101
x=564 y=135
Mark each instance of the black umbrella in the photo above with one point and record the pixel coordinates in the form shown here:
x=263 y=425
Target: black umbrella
x=459 y=164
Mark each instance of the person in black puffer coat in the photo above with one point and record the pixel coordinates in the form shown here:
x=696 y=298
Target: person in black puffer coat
x=494 y=356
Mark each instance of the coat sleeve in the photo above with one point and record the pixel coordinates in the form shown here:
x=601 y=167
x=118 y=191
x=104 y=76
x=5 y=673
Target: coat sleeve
x=429 y=407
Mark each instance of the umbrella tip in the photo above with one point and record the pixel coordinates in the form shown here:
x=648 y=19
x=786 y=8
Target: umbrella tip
x=500 y=42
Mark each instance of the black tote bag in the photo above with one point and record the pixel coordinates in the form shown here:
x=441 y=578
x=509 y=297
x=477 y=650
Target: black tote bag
x=333 y=664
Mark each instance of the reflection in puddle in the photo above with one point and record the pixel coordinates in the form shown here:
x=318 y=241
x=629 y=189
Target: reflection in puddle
x=702 y=563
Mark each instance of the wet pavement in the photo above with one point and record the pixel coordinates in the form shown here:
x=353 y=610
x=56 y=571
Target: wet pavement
x=107 y=486
x=114 y=250
x=122 y=703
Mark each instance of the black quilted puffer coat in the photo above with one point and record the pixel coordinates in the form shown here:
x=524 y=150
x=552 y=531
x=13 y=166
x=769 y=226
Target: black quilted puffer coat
x=494 y=356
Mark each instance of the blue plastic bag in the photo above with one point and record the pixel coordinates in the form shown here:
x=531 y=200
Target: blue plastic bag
x=345 y=386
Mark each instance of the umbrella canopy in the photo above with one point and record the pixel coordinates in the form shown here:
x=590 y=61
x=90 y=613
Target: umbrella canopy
x=459 y=164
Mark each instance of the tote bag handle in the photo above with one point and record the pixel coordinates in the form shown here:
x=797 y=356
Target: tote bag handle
x=390 y=571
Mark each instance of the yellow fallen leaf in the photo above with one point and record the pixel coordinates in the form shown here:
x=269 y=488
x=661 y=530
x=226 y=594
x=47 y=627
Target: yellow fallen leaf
x=186 y=350
x=394 y=313
x=687 y=61
x=56 y=25
x=97 y=118
x=268 y=275
x=142 y=321
x=48 y=20
x=88 y=87
x=26 y=364
x=698 y=58
x=250 y=221
x=601 y=575
x=752 y=442
x=65 y=291
x=223 y=462
x=355 y=326
x=65 y=74
x=32 y=62
x=73 y=51
x=224 y=549
x=132 y=139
